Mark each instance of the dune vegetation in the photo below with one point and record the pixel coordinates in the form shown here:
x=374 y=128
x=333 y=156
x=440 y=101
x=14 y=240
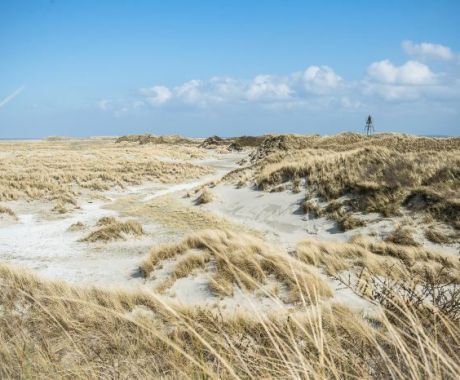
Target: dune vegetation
x=372 y=306
x=205 y=196
x=50 y=329
x=61 y=170
x=7 y=211
x=153 y=139
x=109 y=228
x=172 y=214
x=380 y=173
x=238 y=260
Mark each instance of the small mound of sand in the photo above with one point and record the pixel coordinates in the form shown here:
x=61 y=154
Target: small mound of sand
x=206 y=196
x=112 y=229
x=76 y=227
x=7 y=211
x=106 y=220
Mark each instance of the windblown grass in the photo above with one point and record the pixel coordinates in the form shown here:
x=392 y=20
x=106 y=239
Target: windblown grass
x=205 y=196
x=112 y=229
x=52 y=330
x=7 y=211
x=380 y=258
x=153 y=139
x=172 y=214
x=378 y=174
x=78 y=226
x=232 y=143
x=402 y=235
x=238 y=260
x=439 y=237
x=61 y=170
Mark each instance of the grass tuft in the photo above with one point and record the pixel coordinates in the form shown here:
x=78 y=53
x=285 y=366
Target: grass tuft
x=114 y=230
x=7 y=211
x=206 y=196
x=402 y=235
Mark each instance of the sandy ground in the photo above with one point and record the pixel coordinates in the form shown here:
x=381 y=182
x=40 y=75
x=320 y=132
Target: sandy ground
x=279 y=217
x=43 y=243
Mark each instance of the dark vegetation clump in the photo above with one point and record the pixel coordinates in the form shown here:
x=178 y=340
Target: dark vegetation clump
x=439 y=237
x=233 y=143
x=402 y=236
x=152 y=139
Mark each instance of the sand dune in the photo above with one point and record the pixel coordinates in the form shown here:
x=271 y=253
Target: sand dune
x=252 y=238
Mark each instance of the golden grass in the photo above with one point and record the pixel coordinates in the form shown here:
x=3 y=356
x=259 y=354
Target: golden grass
x=237 y=260
x=52 y=330
x=205 y=196
x=191 y=261
x=78 y=226
x=59 y=208
x=153 y=139
x=106 y=220
x=399 y=262
x=439 y=237
x=7 y=211
x=347 y=141
x=232 y=143
x=113 y=229
x=171 y=213
x=378 y=174
x=61 y=170
x=402 y=235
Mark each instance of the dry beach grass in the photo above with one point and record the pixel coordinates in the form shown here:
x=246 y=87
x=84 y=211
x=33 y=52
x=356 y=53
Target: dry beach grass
x=238 y=260
x=7 y=211
x=409 y=327
x=49 y=329
x=381 y=173
x=109 y=228
x=62 y=170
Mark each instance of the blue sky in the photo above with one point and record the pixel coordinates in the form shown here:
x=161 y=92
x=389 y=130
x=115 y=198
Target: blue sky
x=228 y=67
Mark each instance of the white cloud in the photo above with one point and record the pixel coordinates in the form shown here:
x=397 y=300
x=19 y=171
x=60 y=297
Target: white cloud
x=294 y=88
x=428 y=50
x=321 y=78
x=226 y=88
x=11 y=96
x=410 y=81
x=316 y=87
x=156 y=95
x=410 y=73
x=268 y=87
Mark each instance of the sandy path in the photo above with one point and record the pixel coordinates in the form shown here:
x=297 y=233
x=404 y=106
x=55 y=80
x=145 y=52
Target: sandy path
x=37 y=242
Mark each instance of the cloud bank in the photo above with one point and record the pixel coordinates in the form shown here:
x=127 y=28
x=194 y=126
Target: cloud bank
x=316 y=86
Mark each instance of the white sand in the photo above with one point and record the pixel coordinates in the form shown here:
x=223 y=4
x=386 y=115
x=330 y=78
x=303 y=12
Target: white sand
x=42 y=243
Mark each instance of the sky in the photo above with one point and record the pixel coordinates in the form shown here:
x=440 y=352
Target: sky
x=200 y=68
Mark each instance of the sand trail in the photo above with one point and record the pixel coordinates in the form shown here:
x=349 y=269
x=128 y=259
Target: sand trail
x=45 y=244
